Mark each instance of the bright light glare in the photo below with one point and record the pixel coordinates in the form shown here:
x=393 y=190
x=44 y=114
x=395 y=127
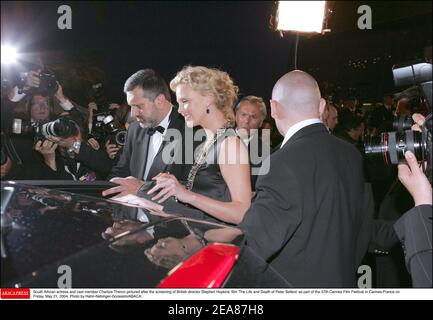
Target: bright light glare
x=9 y=54
x=301 y=16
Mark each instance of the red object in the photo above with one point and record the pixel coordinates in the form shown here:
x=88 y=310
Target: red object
x=208 y=268
x=14 y=293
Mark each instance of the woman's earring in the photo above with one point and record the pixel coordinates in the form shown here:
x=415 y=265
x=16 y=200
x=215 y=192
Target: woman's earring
x=207 y=110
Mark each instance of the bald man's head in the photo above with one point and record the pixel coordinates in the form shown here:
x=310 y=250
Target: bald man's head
x=298 y=93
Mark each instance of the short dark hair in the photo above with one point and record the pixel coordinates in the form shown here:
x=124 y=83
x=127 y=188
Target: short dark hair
x=150 y=81
x=352 y=122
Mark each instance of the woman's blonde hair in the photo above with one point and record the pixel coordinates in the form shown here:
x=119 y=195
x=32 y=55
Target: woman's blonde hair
x=209 y=81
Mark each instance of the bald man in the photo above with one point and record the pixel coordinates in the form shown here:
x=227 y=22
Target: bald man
x=312 y=214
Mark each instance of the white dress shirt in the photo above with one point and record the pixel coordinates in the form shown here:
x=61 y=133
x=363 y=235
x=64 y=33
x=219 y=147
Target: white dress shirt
x=298 y=126
x=155 y=142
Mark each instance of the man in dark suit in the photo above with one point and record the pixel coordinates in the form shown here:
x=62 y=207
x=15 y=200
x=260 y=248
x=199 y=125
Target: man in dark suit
x=384 y=114
x=311 y=218
x=250 y=113
x=155 y=141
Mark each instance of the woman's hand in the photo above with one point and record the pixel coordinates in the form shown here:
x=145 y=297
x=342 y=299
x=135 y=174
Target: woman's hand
x=168 y=186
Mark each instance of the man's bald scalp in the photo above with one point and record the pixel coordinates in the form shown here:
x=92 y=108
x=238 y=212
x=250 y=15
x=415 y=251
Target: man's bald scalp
x=298 y=92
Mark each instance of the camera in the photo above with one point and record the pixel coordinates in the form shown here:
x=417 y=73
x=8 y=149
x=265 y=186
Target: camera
x=103 y=128
x=99 y=128
x=114 y=134
x=47 y=85
x=60 y=128
x=390 y=147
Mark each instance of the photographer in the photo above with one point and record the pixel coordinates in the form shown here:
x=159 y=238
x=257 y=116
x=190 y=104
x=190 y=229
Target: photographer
x=107 y=124
x=115 y=129
x=414 y=228
x=42 y=81
x=33 y=156
x=30 y=81
x=74 y=150
x=89 y=151
x=82 y=151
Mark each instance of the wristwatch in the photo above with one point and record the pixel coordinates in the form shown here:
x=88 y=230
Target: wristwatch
x=75 y=148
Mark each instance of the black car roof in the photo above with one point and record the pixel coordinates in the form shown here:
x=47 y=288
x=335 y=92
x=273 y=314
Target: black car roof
x=105 y=243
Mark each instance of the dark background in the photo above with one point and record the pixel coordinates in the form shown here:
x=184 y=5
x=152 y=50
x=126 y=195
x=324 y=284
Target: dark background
x=110 y=40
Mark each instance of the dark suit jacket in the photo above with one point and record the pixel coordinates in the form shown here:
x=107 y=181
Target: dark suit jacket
x=132 y=161
x=414 y=230
x=312 y=215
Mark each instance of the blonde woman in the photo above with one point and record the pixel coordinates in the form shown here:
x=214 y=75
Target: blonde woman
x=219 y=181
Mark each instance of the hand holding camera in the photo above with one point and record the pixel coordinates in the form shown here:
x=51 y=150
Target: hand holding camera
x=42 y=81
x=411 y=174
x=46 y=147
x=31 y=80
x=414 y=180
x=111 y=149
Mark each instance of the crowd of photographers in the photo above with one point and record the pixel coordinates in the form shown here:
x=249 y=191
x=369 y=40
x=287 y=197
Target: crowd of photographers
x=45 y=135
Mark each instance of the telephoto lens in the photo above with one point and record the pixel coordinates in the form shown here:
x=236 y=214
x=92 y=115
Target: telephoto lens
x=60 y=128
x=390 y=147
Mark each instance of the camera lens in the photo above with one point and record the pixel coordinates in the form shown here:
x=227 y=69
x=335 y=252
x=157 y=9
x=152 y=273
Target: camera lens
x=47 y=129
x=390 y=147
x=61 y=128
x=121 y=138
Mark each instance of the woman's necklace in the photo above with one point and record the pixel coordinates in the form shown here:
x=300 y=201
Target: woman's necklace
x=203 y=155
